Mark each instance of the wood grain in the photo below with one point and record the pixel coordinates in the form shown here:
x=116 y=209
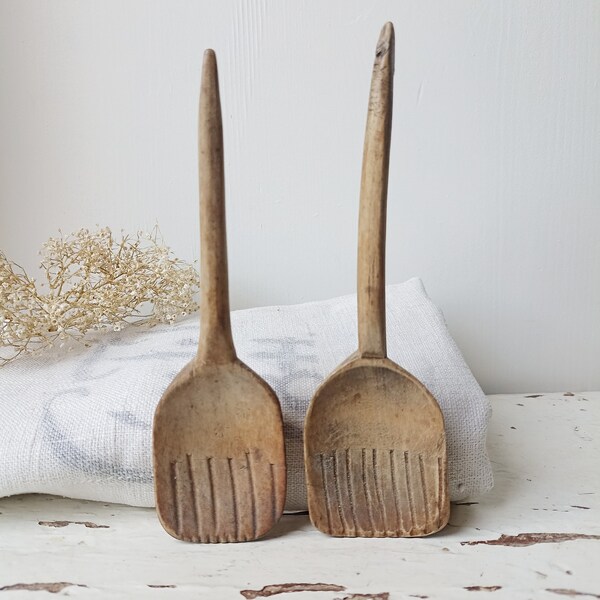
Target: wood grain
x=218 y=448
x=375 y=445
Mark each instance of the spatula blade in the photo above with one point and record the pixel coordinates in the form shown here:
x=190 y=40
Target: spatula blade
x=375 y=454
x=219 y=456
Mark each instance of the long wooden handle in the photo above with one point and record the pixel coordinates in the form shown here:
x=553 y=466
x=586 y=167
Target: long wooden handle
x=216 y=342
x=373 y=201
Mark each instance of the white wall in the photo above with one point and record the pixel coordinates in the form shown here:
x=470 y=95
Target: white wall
x=495 y=174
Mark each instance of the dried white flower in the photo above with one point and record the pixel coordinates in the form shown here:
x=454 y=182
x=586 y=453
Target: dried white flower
x=93 y=282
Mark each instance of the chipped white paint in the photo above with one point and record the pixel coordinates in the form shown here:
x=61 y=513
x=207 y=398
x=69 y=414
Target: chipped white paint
x=545 y=451
x=494 y=178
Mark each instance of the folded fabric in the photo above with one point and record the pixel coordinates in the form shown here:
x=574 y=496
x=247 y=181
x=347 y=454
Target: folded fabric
x=79 y=423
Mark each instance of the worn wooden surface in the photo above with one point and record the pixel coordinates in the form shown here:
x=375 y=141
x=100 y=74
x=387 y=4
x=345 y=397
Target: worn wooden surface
x=218 y=447
x=373 y=199
x=375 y=454
x=525 y=539
x=375 y=445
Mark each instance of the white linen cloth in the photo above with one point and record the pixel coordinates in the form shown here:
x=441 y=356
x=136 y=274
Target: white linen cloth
x=79 y=423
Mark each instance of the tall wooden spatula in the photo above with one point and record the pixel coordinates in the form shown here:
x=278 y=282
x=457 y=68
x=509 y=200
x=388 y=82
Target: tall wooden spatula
x=219 y=458
x=375 y=446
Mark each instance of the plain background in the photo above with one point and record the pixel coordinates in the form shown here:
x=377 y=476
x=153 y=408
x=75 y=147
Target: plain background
x=495 y=170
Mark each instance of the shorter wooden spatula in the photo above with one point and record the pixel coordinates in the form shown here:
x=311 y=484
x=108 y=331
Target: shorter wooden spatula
x=218 y=447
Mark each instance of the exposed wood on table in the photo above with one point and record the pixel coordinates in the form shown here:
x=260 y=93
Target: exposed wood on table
x=529 y=539
x=285 y=588
x=382 y=596
x=53 y=588
x=87 y=524
x=483 y=588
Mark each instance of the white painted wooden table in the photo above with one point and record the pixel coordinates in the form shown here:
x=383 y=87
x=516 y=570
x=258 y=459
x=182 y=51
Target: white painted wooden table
x=536 y=535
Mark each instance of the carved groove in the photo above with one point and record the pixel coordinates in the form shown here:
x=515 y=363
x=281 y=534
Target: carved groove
x=338 y=497
x=222 y=499
x=378 y=490
x=252 y=493
x=175 y=499
x=213 y=504
x=424 y=487
x=366 y=487
x=193 y=491
x=350 y=492
x=236 y=524
x=326 y=493
x=395 y=488
x=409 y=492
x=368 y=507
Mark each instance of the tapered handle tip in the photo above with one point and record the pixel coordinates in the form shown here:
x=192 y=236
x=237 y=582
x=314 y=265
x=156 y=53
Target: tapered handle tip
x=387 y=33
x=209 y=63
x=210 y=108
x=384 y=54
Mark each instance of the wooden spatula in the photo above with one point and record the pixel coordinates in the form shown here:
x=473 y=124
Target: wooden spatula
x=375 y=446
x=219 y=458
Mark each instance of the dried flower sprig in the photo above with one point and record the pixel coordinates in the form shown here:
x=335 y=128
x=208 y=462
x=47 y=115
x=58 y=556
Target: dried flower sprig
x=93 y=282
